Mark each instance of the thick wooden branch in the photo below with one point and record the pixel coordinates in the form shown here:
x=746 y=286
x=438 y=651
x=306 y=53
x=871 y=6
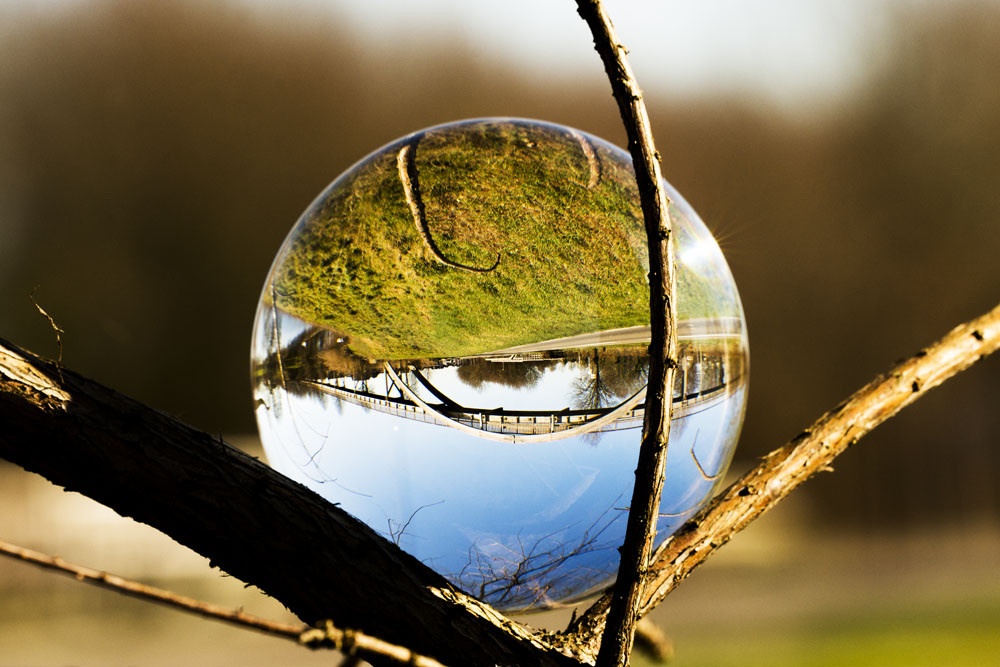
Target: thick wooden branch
x=252 y=522
x=812 y=451
x=616 y=646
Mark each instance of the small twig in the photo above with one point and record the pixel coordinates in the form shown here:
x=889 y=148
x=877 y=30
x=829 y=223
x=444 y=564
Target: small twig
x=397 y=535
x=152 y=594
x=326 y=637
x=616 y=645
x=653 y=641
x=812 y=451
x=55 y=327
x=351 y=643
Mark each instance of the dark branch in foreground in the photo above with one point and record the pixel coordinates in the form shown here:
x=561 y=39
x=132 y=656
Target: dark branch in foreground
x=251 y=521
x=616 y=646
x=810 y=452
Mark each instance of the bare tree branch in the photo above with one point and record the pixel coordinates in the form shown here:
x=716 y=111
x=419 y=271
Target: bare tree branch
x=152 y=594
x=810 y=452
x=616 y=646
x=353 y=643
x=253 y=522
x=325 y=636
x=652 y=641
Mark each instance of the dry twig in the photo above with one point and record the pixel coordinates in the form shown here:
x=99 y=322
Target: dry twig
x=326 y=636
x=350 y=642
x=651 y=640
x=616 y=645
x=153 y=594
x=810 y=452
x=56 y=329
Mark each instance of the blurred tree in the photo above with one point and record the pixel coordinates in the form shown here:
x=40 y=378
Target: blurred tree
x=154 y=155
x=476 y=372
x=158 y=153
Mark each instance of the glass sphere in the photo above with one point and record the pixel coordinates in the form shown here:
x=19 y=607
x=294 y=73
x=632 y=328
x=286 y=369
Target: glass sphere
x=452 y=342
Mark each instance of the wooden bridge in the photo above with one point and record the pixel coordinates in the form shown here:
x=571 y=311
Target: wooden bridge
x=513 y=426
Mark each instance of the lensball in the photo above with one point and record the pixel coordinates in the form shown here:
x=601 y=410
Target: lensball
x=452 y=345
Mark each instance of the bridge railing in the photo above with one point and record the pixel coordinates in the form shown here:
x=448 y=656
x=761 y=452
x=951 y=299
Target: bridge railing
x=519 y=422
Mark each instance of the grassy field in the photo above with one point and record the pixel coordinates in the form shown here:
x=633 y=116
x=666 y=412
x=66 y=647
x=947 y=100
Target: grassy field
x=959 y=635
x=572 y=251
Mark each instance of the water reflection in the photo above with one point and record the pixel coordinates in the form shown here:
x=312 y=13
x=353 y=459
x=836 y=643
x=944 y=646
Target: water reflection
x=507 y=472
x=464 y=367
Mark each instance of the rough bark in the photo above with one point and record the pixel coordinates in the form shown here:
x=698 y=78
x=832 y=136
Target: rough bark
x=637 y=548
x=250 y=521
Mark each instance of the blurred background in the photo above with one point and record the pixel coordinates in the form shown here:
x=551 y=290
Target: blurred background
x=153 y=156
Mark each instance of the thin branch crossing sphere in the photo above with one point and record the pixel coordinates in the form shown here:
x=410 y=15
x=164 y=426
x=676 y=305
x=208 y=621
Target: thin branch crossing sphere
x=452 y=345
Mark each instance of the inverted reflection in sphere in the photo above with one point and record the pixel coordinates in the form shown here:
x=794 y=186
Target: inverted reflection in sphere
x=452 y=345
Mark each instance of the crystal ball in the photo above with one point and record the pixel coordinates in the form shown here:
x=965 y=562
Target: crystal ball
x=452 y=344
